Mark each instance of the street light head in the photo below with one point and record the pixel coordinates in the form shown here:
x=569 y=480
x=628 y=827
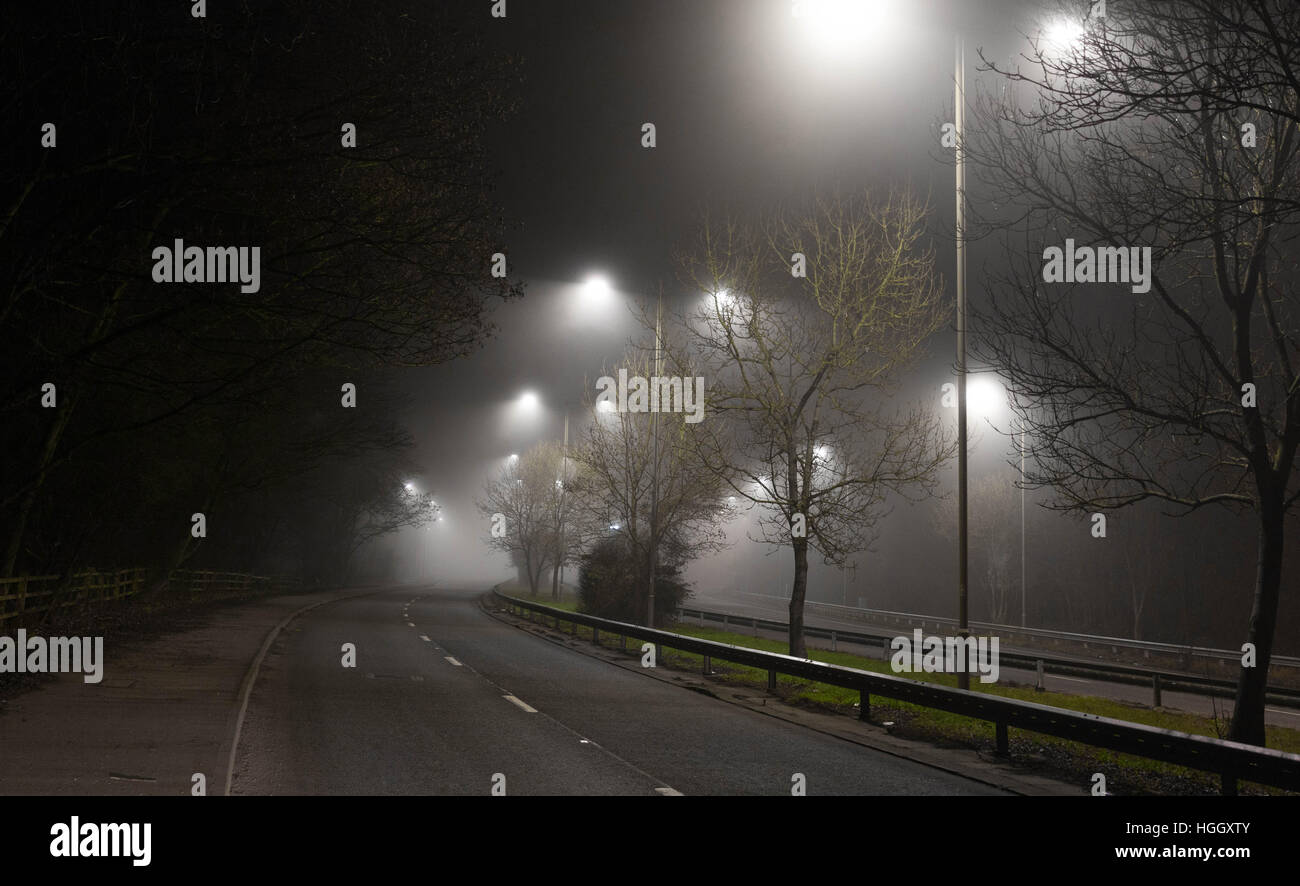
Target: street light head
x=410 y=487
x=597 y=288
x=1063 y=34
x=529 y=400
x=985 y=397
x=840 y=25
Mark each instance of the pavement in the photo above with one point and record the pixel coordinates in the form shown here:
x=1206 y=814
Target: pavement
x=166 y=710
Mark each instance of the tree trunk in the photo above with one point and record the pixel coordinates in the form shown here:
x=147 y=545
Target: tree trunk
x=555 y=580
x=1248 y=710
x=534 y=575
x=797 y=595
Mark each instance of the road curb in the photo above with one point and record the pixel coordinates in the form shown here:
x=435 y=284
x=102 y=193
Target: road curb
x=250 y=676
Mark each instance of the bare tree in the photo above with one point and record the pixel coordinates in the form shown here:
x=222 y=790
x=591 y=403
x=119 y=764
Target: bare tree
x=519 y=504
x=1170 y=126
x=374 y=233
x=650 y=482
x=812 y=314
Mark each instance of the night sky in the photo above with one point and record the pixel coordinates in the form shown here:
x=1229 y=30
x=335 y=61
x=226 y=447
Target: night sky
x=748 y=111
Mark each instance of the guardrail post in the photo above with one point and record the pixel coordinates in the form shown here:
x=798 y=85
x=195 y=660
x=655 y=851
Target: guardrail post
x=1155 y=690
x=622 y=642
x=864 y=704
x=754 y=622
x=1039 y=687
x=884 y=649
x=724 y=622
x=771 y=681
x=1002 y=738
x=701 y=618
x=708 y=665
x=595 y=636
x=833 y=649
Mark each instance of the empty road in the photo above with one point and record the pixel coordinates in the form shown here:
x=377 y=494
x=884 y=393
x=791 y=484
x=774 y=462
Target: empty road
x=445 y=699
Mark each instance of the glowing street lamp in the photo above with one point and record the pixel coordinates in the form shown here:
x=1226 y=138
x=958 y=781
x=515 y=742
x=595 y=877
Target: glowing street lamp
x=1063 y=34
x=837 y=24
x=840 y=26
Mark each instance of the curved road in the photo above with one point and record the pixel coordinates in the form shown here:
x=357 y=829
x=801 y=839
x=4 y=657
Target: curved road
x=445 y=699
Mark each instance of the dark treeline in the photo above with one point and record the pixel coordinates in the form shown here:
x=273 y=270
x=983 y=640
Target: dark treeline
x=129 y=405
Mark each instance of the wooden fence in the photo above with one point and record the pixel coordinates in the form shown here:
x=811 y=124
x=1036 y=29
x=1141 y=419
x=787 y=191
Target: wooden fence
x=25 y=595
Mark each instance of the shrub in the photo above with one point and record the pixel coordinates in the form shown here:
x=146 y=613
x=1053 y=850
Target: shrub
x=612 y=583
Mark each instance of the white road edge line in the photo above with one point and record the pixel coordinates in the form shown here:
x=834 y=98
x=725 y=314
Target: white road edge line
x=425 y=638
x=515 y=701
x=668 y=792
x=457 y=664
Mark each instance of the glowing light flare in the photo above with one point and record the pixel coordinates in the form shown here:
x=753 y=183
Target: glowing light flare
x=596 y=290
x=841 y=25
x=985 y=397
x=1063 y=34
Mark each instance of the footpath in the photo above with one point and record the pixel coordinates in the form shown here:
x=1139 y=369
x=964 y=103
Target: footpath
x=167 y=708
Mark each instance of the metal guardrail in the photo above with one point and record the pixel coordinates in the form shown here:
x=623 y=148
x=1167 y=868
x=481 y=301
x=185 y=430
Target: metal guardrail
x=1160 y=681
x=1084 y=639
x=1232 y=761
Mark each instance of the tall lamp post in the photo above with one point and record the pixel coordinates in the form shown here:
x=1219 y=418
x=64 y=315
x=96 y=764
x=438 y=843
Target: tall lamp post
x=963 y=562
x=833 y=20
x=654 y=491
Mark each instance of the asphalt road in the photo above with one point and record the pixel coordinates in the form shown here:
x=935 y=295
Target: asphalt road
x=445 y=699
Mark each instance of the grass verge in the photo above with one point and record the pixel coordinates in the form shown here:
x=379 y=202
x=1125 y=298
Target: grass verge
x=1059 y=758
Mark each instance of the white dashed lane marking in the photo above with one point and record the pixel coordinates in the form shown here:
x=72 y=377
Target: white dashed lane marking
x=457 y=664
x=515 y=701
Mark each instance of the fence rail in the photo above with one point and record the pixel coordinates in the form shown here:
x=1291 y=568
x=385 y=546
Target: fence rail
x=1159 y=681
x=1231 y=761
x=25 y=595
x=1087 y=641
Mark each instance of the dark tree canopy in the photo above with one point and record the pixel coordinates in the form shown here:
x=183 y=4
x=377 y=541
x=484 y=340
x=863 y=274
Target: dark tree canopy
x=228 y=131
